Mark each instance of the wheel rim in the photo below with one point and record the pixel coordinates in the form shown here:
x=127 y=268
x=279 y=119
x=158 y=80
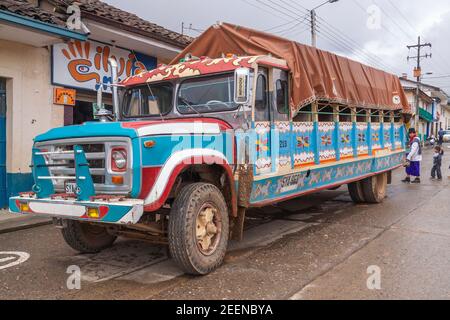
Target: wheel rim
x=208 y=229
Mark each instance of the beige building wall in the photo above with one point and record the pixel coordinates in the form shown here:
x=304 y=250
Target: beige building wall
x=30 y=110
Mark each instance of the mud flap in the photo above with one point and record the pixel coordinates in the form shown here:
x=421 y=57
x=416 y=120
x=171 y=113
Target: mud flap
x=245 y=173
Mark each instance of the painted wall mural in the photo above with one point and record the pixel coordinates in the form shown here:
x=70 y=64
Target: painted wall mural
x=84 y=65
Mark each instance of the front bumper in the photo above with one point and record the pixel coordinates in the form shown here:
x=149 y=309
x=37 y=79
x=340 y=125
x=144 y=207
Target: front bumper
x=126 y=211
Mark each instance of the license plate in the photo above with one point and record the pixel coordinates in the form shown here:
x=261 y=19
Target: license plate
x=71 y=187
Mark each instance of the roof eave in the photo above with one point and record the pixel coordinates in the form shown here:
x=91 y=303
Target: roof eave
x=118 y=25
x=40 y=26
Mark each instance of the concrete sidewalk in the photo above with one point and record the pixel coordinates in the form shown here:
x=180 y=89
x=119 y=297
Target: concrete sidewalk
x=13 y=222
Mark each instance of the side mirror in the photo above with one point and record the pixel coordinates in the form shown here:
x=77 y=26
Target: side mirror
x=242 y=86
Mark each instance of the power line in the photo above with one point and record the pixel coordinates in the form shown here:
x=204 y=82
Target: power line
x=280 y=25
x=350 y=44
x=442 y=61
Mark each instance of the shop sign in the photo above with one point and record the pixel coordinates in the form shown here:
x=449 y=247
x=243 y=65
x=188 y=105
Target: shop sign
x=84 y=65
x=66 y=97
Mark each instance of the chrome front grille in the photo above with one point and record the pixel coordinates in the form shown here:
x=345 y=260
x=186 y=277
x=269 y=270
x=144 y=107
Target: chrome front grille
x=60 y=160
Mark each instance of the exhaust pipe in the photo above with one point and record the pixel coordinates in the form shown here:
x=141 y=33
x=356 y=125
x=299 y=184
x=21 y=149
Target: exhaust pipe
x=114 y=79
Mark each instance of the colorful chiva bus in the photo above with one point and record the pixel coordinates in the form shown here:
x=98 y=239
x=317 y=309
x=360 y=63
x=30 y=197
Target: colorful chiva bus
x=193 y=147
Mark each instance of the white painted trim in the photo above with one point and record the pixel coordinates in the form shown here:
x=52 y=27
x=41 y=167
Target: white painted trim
x=179 y=128
x=65 y=210
x=167 y=170
x=133 y=216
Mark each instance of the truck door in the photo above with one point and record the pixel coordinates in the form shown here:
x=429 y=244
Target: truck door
x=262 y=124
x=281 y=136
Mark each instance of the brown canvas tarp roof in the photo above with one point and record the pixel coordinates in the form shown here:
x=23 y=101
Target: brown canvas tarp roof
x=317 y=75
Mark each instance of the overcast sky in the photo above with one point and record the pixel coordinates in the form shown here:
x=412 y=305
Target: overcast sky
x=372 y=31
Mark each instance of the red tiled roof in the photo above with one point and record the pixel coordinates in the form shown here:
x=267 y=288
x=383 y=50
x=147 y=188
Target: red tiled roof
x=108 y=14
x=98 y=11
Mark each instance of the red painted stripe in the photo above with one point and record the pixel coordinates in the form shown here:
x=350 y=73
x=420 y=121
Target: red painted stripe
x=149 y=176
x=186 y=163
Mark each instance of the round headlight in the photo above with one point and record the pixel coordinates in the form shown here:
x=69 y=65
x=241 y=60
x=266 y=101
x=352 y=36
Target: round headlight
x=119 y=158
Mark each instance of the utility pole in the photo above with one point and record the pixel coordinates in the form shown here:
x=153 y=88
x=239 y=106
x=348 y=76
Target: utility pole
x=418 y=75
x=314 y=22
x=313 y=28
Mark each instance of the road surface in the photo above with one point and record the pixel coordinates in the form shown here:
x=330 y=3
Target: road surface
x=316 y=247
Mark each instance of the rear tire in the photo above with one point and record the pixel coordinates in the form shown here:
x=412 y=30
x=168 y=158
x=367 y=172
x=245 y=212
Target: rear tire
x=356 y=192
x=87 y=238
x=375 y=188
x=199 y=228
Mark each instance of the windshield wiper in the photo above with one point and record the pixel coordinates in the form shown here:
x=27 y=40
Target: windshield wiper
x=189 y=105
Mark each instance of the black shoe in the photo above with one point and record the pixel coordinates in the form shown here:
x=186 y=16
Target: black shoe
x=416 y=181
x=407 y=180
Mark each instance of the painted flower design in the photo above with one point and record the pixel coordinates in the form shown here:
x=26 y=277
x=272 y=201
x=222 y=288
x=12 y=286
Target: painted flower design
x=376 y=137
x=262 y=145
x=361 y=137
x=345 y=138
x=303 y=142
x=326 y=140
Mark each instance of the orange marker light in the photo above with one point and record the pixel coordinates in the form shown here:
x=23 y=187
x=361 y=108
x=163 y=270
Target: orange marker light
x=24 y=207
x=93 y=213
x=149 y=144
x=117 y=180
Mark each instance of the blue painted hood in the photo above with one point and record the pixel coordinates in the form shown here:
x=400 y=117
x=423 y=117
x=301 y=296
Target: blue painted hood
x=88 y=129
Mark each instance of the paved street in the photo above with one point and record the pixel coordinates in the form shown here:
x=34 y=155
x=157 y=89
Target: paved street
x=316 y=247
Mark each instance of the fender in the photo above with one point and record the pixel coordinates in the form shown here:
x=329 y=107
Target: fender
x=160 y=190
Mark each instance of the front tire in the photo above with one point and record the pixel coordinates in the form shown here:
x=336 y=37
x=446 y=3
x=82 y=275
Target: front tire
x=87 y=238
x=199 y=228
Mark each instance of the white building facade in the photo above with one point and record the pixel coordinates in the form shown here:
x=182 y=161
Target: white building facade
x=39 y=54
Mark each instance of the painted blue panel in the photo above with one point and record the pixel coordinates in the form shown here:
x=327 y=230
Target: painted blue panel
x=376 y=136
x=303 y=142
x=166 y=146
x=19 y=182
x=387 y=141
x=327 y=139
x=282 y=156
x=346 y=140
x=3 y=176
x=263 y=164
x=277 y=188
x=363 y=138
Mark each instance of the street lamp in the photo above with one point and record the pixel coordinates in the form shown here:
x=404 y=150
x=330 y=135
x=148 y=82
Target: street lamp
x=313 y=22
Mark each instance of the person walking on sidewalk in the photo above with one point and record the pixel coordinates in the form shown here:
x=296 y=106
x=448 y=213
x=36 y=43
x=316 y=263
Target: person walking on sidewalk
x=437 y=163
x=414 y=158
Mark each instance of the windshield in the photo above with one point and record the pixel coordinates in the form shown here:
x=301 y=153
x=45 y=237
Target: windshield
x=209 y=94
x=145 y=101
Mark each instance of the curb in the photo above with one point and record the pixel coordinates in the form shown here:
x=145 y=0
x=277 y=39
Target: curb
x=23 y=223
